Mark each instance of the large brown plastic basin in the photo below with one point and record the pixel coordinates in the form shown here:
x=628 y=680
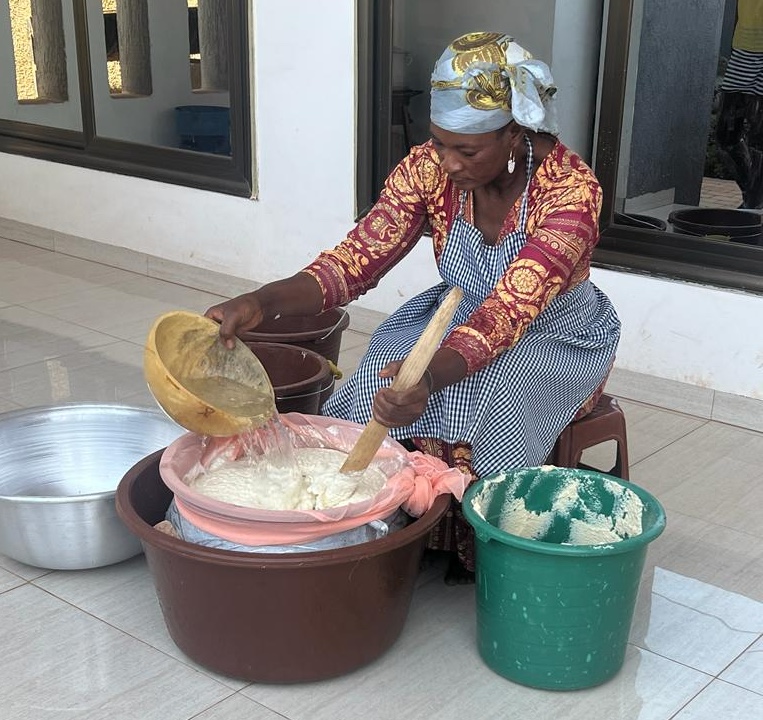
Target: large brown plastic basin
x=288 y=618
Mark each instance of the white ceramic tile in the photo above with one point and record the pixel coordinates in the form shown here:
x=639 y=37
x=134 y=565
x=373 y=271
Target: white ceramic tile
x=182 y=297
x=721 y=701
x=738 y=410
x=352 y=340
x=713 y=473
x=9 y=581
x=25 y=233
x=747 y=670
x=7 y=405
x=59 y=662
x=22 y=284
x=648 y=430
x=13 y=250
x=26 y=572
x=238 y=707
x=196 y=277
x=349 y=360
x=697 y=624
x=717 y=555
x=111 y=255
x=75 y=268
x=123 y=596
x=105 y=309
x=105 y=374
x=668 y=394
x=27 y=336
x=434 y=671
x=363 y=320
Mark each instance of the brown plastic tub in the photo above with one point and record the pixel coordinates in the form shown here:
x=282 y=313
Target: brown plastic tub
x=289 y=618
x=301 y=379
x=319 y=333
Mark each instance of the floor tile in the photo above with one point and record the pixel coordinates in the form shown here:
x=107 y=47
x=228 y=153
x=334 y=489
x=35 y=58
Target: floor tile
x=737 y=410
x=197 y=277
x=105 y=374
x=717 y=555
x=721 y=700
x=26 y=572
x=697 y=624
x=714 y=473
x=24 y=233
x=123 y=596
x=110 y=255
x=60 y=662
x=677 y=396
x=7 y=405
x=106 y=309
x=352 y=339
x=648 y=429
x=238 y=707
x=184 y=298
x=747 y=670
x=8 y=581
x=434 y=671
x=27 y=336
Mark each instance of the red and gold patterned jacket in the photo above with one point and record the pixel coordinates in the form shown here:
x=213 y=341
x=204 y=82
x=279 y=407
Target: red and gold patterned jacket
x=562 y=229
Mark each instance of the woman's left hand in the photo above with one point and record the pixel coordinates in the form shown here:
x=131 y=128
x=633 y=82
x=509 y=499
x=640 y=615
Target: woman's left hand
x=398 y=408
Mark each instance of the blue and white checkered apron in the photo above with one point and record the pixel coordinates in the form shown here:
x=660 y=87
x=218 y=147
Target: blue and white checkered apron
x=511 y=411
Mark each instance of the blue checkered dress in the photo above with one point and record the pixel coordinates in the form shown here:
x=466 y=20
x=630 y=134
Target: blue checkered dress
x=511 y=411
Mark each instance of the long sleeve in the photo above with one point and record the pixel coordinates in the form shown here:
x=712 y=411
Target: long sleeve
x=387 y=234
x=562 y=231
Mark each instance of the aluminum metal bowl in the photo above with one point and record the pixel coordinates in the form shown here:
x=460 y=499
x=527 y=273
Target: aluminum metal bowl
x=59 y=470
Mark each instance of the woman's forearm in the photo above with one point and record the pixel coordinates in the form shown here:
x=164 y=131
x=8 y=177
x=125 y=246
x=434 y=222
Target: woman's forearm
x=299 y=294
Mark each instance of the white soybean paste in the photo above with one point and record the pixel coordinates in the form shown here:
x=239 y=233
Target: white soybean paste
x=307 y=479
x=572 y=510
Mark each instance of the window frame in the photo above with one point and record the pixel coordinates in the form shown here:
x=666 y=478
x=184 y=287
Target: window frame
x=653 y=252
x=226 y=174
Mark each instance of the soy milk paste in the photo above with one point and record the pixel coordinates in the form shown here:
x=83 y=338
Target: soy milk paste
x=305 y=479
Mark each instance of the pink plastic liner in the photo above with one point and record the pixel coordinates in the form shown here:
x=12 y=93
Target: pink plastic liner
x=414 y=480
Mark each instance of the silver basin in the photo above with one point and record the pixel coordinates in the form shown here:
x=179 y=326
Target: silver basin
x=59 y=470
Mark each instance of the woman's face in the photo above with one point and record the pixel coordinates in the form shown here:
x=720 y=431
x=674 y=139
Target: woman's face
x=472 y=161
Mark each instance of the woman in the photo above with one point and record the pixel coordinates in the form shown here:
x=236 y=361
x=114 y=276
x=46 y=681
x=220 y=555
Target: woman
x=514 y=218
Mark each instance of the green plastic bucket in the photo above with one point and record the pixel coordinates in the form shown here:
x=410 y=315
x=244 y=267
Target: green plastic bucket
x=552 y=614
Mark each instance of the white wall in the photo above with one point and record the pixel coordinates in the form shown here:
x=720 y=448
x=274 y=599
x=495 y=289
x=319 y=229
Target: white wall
x=694 y=334
x=305 y=109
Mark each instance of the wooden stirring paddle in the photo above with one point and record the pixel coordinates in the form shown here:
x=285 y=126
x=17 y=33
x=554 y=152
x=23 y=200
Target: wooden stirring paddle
x=411 y=371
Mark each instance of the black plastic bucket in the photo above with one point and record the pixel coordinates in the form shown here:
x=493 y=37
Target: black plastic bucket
x=646 y=222
x=716 y=223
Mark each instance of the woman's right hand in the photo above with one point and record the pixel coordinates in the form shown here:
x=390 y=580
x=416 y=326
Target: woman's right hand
x=237 y=315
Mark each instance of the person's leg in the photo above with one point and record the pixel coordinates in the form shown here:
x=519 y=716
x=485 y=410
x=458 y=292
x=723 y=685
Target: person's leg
x=731 y=135
x=754 y=120
x=452 y=536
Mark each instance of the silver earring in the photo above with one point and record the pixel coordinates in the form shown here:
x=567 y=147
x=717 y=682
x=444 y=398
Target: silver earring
x=511 y=164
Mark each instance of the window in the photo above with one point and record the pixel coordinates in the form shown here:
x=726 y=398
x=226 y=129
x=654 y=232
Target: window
x=668 y=184
x=153 y=89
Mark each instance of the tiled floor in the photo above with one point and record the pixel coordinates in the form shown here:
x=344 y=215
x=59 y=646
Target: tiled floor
x=92 y=644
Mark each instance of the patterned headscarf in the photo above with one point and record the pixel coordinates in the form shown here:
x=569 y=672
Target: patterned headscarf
x=484 y=80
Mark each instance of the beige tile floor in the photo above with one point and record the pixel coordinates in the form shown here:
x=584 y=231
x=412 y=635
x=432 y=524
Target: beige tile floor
x=93 y=644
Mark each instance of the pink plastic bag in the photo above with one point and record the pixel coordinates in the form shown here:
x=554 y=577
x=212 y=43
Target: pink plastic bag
x=414 y=480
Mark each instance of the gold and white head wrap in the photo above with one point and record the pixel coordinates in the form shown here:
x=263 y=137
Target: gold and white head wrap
x=484 y=80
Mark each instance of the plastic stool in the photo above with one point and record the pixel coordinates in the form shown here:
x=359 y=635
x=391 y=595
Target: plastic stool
x=605 y=422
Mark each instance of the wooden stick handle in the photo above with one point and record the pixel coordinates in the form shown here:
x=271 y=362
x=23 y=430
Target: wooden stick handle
x=410 y=373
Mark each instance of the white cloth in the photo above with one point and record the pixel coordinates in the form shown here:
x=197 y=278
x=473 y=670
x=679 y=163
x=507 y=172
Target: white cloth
x=483 y=81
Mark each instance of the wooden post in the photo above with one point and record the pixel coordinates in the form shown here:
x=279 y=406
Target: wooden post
x=49 y=50
x=134 y=47
x=213 y=44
